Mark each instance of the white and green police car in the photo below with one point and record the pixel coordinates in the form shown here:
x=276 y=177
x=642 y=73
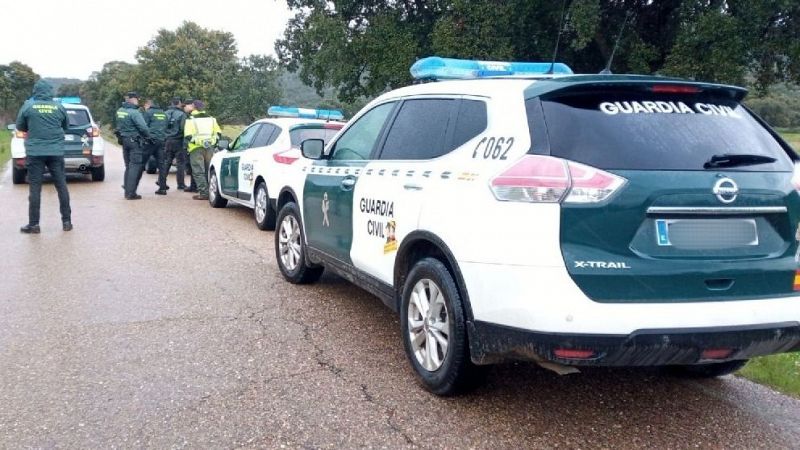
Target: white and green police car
x=573 y=220
x=250 y=170
x=84 y=148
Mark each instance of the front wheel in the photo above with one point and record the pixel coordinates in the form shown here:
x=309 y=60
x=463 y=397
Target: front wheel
x=214 y=197
x=262 y=210
x=711 y=370
x=18 y=175
x=290 y=248
x=433 y=326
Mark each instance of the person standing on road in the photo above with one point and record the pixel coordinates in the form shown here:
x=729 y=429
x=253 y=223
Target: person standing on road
x=188 y=107
x=174 y=147
x=132 y=129
x=201 y=134
x=45 y=121
x=156 y=120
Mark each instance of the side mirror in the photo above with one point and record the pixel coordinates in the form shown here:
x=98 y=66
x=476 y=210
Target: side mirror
x=312 y=148
x=223 y=144
x=11 y=127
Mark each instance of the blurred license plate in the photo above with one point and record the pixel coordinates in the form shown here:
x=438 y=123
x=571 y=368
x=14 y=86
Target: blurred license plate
x=69 y=137
x=707 y=234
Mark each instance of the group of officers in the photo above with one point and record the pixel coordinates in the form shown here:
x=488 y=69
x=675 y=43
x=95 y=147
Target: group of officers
x=185 y=132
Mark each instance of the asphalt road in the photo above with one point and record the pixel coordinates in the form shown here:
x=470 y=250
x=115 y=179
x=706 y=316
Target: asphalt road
x=165 y=323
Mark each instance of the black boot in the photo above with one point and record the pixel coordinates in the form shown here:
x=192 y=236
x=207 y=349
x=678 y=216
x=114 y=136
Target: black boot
x=30 y=229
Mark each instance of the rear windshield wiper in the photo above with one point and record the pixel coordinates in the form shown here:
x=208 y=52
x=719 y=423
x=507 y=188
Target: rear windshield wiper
x=737 y=159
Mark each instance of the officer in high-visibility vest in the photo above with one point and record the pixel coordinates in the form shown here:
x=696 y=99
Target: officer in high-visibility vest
x=201 y=133
x=133 y=131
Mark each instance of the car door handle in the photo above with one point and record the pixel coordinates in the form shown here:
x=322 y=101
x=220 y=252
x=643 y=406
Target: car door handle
x=412 y=187
x=348 y=183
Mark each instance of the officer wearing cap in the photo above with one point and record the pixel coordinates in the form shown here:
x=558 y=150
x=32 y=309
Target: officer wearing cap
x=156 y=120
x=133 y=131
x=174 y=146
x=201 y=134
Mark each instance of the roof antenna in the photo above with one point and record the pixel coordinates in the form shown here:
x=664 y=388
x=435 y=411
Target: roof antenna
x=607 y=70
x=558 y=37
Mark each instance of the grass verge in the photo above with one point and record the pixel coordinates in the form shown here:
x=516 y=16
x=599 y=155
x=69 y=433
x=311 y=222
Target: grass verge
x=793 y=139
x=5 y=146
x=780 y=372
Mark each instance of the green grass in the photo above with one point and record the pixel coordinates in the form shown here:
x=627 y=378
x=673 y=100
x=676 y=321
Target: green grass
x=5 y=146
x=232 y=131
x=794 y=140
x=780 y=372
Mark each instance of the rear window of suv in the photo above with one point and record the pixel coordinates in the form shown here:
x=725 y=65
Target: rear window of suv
x=78 y=117
x=632 y=130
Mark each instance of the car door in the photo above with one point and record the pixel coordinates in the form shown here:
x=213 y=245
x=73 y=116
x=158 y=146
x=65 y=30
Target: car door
x=405 y=174
x=330 y=182
x=250 y=159
x=229 y=168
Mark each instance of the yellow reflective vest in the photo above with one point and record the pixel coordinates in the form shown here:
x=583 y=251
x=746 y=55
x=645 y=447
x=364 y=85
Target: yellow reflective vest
x=203 y=130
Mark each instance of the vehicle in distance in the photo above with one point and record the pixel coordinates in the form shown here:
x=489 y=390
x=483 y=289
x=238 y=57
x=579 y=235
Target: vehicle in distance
x=573 y=220
x=251 y=171
x=83 y=146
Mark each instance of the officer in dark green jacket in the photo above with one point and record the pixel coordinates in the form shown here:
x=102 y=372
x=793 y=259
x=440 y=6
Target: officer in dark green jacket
x=45 y=121
x=174 y=146
x=133 y=131
x=156 y=120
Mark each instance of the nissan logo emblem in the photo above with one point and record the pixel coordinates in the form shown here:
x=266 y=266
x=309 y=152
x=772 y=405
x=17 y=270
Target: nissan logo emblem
x=726 y=190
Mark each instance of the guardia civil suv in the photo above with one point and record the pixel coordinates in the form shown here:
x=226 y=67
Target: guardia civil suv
x=249 y=172
x=573 y=220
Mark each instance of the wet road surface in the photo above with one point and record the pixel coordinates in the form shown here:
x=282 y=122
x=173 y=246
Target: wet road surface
x=165 y=323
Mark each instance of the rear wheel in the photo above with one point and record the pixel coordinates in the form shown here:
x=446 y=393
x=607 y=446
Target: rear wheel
x=18 y=175
x=99 y=173
x=214 y=197
x=711 y=370
x=262 y=210
x=433 y=326
x=290 y=248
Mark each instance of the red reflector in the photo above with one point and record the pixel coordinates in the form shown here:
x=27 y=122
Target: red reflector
x=571 y=353
x=716 y=353
x=674 y=89
x=332 y=126
x=20 y=162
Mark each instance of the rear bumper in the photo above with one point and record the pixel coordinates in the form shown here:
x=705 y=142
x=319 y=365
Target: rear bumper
x=491 y=343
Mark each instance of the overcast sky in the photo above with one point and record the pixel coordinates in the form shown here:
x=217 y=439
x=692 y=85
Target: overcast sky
x=73 y=38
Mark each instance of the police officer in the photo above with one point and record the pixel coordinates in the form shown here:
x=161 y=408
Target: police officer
x=201 y=134
x=45 y=121
x=188 y=107
x=133 y=131
x=173 y=147
x=156 y=120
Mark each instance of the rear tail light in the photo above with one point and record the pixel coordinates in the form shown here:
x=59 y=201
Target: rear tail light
x=21 y=134
x=93 y=132
x=545 y=179
x=283 y=158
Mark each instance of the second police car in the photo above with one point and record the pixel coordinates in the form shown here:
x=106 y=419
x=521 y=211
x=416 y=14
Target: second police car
x=573 y=220
x=249 y=171
x=84 y=148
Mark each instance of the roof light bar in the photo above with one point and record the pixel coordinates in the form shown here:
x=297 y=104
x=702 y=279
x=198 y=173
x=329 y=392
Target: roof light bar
x=305 y=113
x=68 y=100
x=436 y=68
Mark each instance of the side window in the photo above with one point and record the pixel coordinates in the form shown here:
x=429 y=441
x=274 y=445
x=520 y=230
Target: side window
x=275 y=135
x=262 y=138
x=470 y=123
x=359 y=140
x=420 y=130
x=245 y=140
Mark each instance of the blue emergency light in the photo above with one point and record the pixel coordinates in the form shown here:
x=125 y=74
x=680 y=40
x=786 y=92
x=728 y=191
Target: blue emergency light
x=68 y=100
x=436 y=68
x=305 y=113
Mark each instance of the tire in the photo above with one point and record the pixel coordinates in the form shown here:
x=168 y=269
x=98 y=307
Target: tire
x=263 y=212
x=290 y=248
x=441 y=371
x=215 y=199
x=99 y=173
x=711 y=370
x=18 y=175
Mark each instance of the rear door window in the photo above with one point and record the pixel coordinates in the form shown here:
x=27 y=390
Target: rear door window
x=245 y=140
x=633 y=130
x=262 y=139
x=420 y=130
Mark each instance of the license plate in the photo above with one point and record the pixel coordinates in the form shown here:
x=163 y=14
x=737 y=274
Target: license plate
x=69 y=137
x=706 y=234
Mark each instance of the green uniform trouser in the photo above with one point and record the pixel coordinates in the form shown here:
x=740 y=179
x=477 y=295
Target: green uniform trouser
x=200 y=158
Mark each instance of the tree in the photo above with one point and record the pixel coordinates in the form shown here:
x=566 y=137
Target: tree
x=104 y=90
x=363 y=47
x=16 y=85
x=248 y=90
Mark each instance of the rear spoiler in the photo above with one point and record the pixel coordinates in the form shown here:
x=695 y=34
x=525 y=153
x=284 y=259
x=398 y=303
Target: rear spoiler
x=635 y=82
